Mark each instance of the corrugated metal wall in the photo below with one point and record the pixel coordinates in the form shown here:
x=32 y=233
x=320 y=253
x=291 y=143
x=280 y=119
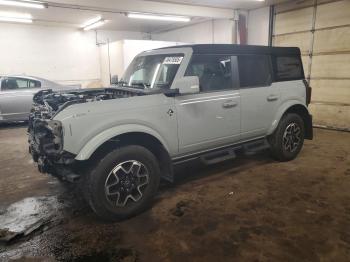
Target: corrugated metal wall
x=322 y=31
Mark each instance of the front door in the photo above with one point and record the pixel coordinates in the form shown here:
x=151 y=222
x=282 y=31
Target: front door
x=211 y=118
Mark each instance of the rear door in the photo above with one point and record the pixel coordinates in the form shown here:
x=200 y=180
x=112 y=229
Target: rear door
x=260 y=97
x=211 y=118
x=16 y=97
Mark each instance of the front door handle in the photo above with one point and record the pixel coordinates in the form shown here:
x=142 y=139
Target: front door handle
x=272 y=98
x=229 y=104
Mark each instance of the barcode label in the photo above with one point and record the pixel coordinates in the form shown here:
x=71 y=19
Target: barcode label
x=175 y=60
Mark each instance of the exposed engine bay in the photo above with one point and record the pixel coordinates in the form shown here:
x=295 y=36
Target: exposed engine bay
x=47 y=103
x=45 y=136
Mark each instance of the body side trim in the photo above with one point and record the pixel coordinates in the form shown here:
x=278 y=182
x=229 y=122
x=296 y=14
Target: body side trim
x=208 y=99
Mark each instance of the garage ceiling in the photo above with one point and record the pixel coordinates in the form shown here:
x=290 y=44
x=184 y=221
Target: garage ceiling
x=74 y=13
x=232 y=4
x=116 y=21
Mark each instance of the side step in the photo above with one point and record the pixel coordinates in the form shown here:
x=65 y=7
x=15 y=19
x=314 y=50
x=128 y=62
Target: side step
x=218 y=156
x=251 y=148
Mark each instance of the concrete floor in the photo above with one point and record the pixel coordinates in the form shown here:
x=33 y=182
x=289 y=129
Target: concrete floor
x=250 y=209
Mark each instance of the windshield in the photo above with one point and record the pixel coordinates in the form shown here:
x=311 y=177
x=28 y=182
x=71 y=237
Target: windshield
x=152 y=71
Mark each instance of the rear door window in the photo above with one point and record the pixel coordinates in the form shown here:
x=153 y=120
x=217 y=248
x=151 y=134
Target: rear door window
x=254 y=71
x=21 y=83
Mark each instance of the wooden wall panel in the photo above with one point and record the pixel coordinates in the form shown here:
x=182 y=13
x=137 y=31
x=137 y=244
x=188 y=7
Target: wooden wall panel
x=331 y=66
x=292 y=5
x=330 y=70
x=333 y=91
x=332 y=40
x=331 y=115
x=301 y=40
x=333 y=14
x=293 y=21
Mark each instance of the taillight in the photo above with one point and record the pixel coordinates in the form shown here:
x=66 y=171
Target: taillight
x=308 y=92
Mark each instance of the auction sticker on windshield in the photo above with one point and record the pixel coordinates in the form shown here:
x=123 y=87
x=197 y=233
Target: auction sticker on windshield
x=175 y=60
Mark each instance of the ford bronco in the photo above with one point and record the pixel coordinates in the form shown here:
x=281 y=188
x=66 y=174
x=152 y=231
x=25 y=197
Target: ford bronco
x=172 y=105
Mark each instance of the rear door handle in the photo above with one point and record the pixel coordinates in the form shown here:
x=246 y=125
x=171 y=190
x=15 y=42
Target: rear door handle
x=229 y=104
x=272 y=98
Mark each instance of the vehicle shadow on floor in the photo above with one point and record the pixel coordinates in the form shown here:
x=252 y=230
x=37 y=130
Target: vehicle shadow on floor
x=13 y=125
x=196 y=170
x=184 y=173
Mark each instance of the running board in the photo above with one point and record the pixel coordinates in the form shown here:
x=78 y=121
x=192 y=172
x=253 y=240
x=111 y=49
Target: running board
x=229 y=152
x=218 y=156
x=252 y=148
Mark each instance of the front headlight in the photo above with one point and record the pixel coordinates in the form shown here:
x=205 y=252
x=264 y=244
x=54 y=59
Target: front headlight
x=56 y=127
x=57 y=131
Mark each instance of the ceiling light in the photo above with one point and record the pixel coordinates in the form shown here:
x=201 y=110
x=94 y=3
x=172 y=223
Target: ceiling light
x=29 y=4
x=15 y=17
x=93 y=23
x=159 y=17
x=16 y=20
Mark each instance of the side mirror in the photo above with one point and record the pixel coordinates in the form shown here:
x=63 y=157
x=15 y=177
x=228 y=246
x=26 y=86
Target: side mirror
x=114 y=80
x=187 y=85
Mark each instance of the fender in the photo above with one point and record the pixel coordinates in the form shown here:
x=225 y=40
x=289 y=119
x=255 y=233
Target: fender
x=94 y=143
x=280 y=112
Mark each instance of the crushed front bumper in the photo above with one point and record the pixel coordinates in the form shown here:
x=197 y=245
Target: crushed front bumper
x=45 y=138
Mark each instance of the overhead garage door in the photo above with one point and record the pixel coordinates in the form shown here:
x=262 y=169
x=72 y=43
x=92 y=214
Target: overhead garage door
x=322 y=31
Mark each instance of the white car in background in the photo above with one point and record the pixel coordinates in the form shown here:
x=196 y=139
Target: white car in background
x=16 y=95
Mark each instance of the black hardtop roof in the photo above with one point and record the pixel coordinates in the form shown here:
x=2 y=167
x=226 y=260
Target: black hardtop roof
x=238 y=49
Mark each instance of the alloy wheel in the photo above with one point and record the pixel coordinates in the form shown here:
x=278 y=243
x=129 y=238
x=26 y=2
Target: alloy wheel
x=292 y=137
x=126 y=182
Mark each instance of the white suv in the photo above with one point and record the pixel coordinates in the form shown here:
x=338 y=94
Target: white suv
x=172 y=105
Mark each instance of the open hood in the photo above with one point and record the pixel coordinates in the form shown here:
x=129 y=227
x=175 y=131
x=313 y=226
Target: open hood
x=47 y=103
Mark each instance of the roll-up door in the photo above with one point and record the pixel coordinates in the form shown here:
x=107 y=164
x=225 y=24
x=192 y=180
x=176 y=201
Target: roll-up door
x=322 y=31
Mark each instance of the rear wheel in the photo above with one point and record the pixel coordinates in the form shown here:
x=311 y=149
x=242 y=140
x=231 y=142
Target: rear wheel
x=288 y=139
x=123 y=183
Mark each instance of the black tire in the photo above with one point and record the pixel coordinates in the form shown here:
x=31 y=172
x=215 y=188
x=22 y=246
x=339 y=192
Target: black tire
x=97 y=183
x=284 y=144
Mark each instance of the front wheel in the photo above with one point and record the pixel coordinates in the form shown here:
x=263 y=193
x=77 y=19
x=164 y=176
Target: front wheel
x=123 y=183
x=288 y=139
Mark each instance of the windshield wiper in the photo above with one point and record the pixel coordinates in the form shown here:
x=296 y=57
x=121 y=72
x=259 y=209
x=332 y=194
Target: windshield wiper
x=138 y=85
x=141 y=85
x=125 y=84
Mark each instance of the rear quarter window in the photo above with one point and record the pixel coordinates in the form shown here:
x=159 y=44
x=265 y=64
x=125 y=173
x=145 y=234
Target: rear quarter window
x=288 y=68
x=34 y=83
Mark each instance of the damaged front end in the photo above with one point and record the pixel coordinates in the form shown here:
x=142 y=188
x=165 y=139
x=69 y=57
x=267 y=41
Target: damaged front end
x=46 y=135
x=45 y=139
